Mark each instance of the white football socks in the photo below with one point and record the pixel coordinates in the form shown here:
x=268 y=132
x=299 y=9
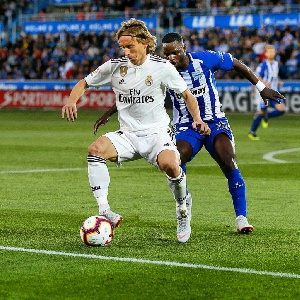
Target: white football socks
x=178 y=188
x=99 y=180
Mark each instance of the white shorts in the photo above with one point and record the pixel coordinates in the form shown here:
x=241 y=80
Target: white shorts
x=131 y=146
x=260 y=104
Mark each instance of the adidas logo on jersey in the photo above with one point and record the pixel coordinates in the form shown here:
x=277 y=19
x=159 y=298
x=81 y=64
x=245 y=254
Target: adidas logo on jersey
x=122 y=81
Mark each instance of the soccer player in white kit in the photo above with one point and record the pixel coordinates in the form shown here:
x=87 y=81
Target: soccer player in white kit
x=139 y=81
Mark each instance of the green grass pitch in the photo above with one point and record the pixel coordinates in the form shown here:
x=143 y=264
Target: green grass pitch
x=45 y=196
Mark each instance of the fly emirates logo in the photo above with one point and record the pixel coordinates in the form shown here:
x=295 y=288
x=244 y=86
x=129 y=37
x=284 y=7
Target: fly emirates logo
x=134 y=96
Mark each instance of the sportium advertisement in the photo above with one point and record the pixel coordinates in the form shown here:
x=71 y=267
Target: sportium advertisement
x=234 y=96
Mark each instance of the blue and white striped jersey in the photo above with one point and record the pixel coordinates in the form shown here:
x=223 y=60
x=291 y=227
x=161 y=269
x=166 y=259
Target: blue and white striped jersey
x=200 y=79
x=268 y=71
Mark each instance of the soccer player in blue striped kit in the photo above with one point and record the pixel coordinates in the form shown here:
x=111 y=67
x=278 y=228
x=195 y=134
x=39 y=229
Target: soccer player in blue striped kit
x=267 y=72
x=197 y=69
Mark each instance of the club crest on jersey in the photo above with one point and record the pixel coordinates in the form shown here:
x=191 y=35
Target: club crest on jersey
x=197 y=74
x=94 y=73
x=149 y=80
x=123 y=70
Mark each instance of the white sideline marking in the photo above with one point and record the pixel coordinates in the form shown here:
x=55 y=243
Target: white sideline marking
x=269 y=156
x=154 y=262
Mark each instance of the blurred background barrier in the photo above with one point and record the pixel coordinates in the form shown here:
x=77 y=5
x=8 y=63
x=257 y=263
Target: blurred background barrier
x=236 y=96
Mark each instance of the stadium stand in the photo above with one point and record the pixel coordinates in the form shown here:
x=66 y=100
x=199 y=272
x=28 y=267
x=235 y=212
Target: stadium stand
x=73 y=56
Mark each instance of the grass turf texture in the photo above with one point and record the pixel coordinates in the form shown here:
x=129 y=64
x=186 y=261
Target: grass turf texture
x=44 y=210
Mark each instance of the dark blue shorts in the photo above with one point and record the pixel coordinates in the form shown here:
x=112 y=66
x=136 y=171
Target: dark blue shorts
x=271 y=103
x=186 y=132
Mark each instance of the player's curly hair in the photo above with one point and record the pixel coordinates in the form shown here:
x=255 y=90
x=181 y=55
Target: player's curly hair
x=172 y=37
x=137 y=28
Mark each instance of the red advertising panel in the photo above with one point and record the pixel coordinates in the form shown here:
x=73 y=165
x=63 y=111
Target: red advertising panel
x=54 y=99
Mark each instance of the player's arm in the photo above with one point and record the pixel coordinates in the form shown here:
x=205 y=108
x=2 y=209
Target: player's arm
x=105 y=117
x=70 y=109
x=266 y=83
x=193 y=108
x=265 y=92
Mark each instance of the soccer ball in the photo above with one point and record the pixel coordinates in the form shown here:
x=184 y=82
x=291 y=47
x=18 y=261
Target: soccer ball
x=97 y=231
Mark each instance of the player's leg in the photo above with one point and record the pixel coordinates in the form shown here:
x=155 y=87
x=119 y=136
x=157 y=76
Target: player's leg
x=107 y=147
x=258 y=117
x=279 y=110
x=168 y=162
x=255 y=124
x=188 y=142
x=185 y=149
x=166 y=157
x=265 y=120
x=224 y=155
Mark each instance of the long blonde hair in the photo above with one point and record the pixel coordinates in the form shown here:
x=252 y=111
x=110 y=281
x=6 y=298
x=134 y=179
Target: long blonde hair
x=138 y=29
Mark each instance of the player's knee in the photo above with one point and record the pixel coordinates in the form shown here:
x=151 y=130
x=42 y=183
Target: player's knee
x=170 y=167
x=228 y=163
x=97 y=148
x=280 y=107
x=93 y=150
x=172 y=172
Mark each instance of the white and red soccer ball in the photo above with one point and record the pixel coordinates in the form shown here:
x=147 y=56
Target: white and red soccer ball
x=97 y=231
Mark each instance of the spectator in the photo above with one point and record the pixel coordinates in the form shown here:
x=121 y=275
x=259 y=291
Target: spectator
x=245 y=43
x=292 y=65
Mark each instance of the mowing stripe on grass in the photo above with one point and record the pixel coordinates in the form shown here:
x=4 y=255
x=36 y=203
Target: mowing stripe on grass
x=154 y=262
x=42 y=170
x=130 y=167
x=267 y=156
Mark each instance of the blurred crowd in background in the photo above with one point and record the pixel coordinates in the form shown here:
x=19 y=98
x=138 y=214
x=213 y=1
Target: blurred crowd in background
x=216 y=6
x=68 y=56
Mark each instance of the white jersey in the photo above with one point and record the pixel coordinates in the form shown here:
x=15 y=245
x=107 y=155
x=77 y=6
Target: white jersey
x=140 y=90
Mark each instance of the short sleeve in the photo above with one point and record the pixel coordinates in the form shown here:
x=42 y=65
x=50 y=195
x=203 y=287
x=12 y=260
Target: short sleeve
x=101 y=76
x=173 y=80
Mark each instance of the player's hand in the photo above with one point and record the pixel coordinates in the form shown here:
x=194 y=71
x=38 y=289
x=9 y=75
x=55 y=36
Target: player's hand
x=70 y=111
x=202 y=127
x=267 y=93
x=101 y=121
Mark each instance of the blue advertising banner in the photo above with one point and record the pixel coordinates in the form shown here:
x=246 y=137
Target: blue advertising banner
x=281 y=19
x=235 y=21
x=77 y=26
x=70 y=2
x=232 y=21
x=36 y=85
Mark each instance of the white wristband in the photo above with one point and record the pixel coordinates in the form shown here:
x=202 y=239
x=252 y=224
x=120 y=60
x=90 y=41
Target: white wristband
x=260 y=86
